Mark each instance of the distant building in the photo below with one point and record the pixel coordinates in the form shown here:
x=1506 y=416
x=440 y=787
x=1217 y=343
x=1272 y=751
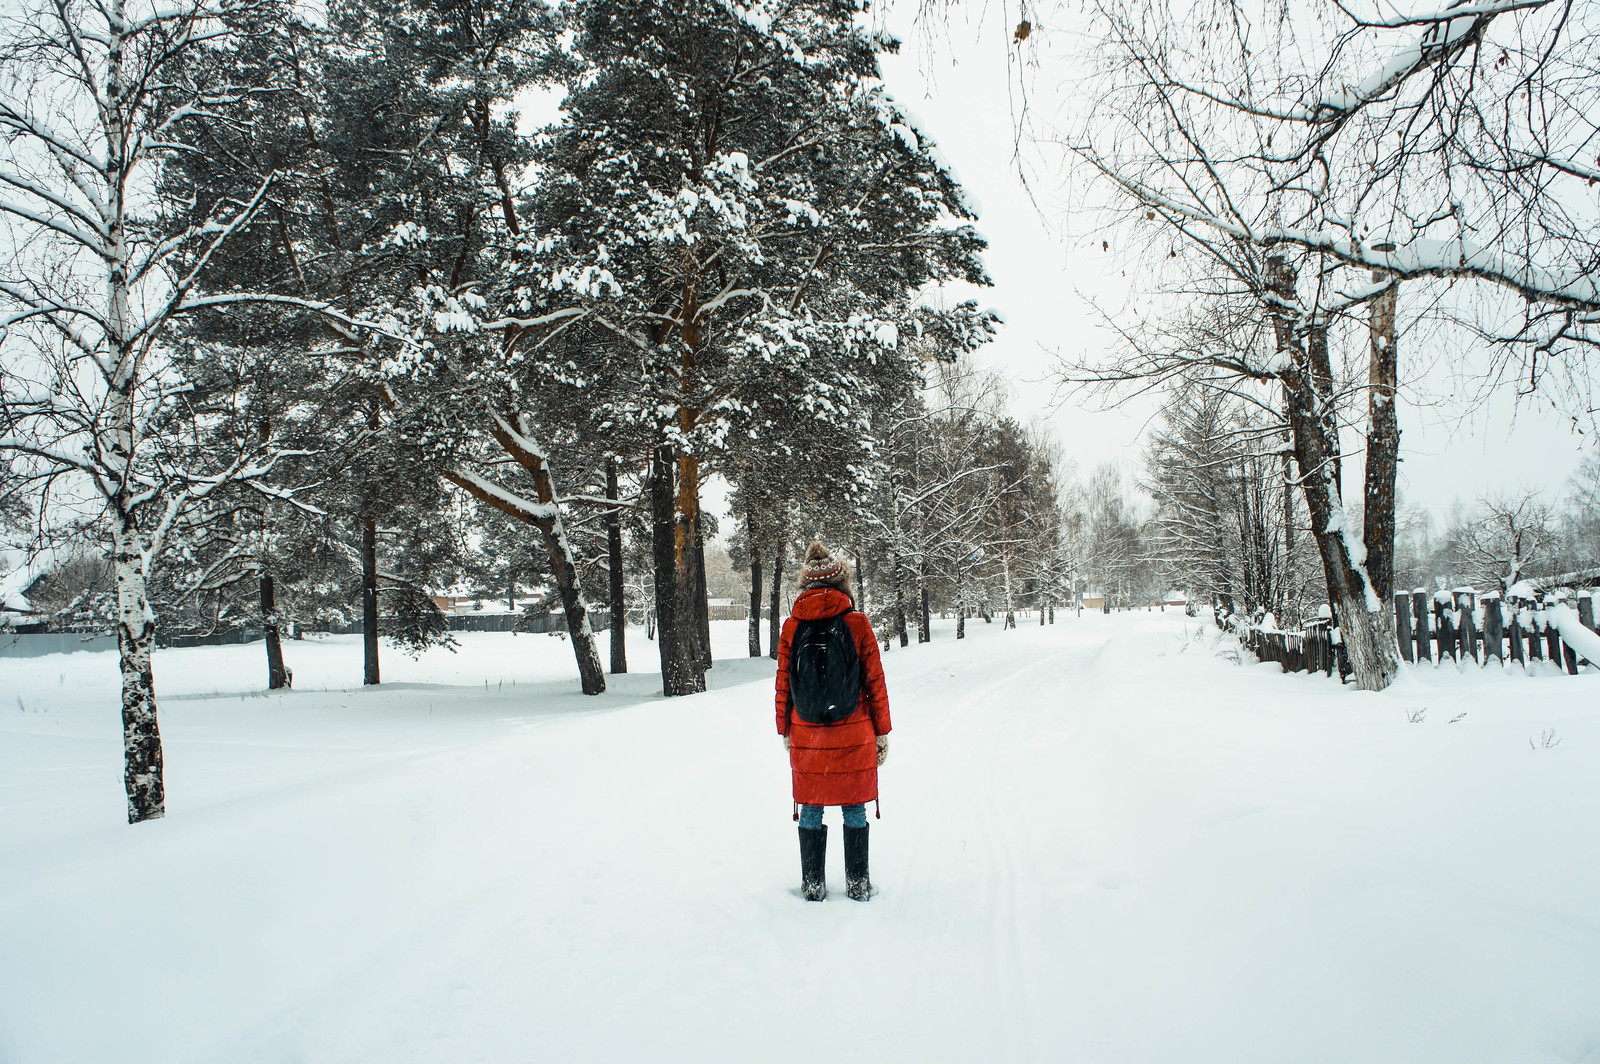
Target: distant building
x=17 y=573
x=467 y=605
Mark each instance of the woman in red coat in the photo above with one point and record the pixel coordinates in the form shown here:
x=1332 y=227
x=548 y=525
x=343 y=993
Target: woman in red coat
x=837 y=763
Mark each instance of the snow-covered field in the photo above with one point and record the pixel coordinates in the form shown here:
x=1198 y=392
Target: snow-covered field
x=1101 y=841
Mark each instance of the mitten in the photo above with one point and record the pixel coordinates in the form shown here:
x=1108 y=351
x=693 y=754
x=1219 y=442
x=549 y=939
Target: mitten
x=786 y=742
x=883 y=749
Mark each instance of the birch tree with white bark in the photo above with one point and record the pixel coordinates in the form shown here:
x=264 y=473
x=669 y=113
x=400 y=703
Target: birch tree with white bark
x=94 y=98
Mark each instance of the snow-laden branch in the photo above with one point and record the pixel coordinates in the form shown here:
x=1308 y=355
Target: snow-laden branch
x=500 y=324
x=90 y=241
x=185 y=284
x=316 y=306
x=287 y=495
x=521 y=447
x=509 y=503
x=1448 y=32
x=945 y=485
x=59 y=202
x=64 y=148
x=18 y=445
x=1461 y=9
x=1424 y=257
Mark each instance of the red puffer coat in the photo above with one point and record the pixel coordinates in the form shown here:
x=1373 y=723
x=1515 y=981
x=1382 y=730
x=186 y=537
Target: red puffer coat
x=834 y=764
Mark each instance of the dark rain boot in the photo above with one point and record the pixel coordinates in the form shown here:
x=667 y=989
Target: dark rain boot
x=813 y=859
x=856 y=882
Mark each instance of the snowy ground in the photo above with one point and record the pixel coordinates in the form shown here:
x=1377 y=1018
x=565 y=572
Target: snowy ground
x=1101 y=841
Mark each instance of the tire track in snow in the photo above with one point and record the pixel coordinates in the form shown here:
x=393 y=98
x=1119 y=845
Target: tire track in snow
x=969 y=751
x=1012 y=803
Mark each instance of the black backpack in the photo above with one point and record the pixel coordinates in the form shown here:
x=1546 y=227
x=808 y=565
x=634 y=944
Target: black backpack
x=824 y=670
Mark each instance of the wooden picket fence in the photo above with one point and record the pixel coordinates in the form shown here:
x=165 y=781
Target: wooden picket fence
x=1313 y=650
x=1454 y=626
x=1463 y=626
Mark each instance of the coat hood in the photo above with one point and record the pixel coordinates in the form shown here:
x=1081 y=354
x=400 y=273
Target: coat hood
x=820 y=602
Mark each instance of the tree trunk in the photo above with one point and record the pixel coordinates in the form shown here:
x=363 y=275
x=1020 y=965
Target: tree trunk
x=546 y=517
x=702 y=597
x=141 y=735
x=1011 y=617
x=1282 y=599
x=563 y=563
x=619 y=602
x=961 y=622
x=564 y=566
x=755 y=601
x=1366 y=626
x=369 y=597
x=1383 y=444
x=775 y=618
x=900 y=604
x=681 y=671
x=136 y=636
x=277 y=673
x=923 y=634
x=590 y=673
x=685 y=558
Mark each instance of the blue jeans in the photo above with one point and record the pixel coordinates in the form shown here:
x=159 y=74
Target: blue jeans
x=855 y=816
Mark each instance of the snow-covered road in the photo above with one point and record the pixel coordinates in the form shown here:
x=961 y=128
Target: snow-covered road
x=1101 y=841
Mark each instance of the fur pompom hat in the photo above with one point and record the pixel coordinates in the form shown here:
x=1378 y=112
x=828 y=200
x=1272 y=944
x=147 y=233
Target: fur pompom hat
x=822 y=569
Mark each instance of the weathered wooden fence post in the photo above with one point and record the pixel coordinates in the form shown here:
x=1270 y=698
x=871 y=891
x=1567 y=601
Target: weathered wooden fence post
x=1569 y=656
x=1516 y=635
x=1443 y=603
x=1493 y=630
x=1402 y=626
x=1468 y=627
x=1586 y=618
x=1419 y=610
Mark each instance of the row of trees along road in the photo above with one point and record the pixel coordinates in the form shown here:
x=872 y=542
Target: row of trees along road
x=1301 y=175
x=290 y=307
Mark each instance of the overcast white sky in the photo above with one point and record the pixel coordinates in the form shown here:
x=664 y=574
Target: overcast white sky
x=1046 y=261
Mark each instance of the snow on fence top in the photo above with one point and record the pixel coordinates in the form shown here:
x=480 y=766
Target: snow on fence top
x=1527 y=625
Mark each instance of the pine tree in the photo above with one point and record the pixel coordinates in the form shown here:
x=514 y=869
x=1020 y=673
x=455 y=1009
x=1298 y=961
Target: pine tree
x=731 y=189
x=396 y=158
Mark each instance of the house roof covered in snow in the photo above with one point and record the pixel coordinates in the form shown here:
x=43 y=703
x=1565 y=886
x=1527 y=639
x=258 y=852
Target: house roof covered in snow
x=16 y=574
x=1581 y=578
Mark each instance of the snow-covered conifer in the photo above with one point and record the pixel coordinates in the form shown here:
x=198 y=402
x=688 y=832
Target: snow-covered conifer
x=731 y=189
